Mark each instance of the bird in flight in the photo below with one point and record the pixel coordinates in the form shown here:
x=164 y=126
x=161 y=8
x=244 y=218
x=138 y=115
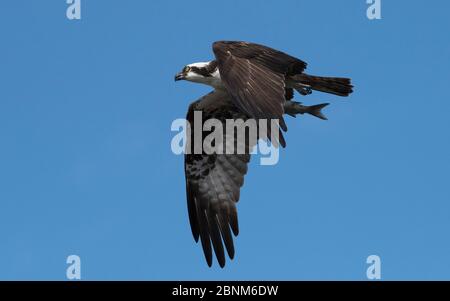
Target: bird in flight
x=250 y=81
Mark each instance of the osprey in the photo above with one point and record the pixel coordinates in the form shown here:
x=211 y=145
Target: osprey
x=249 y=81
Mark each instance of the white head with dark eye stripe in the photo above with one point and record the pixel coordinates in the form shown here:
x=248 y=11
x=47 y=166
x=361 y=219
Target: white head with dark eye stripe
x=204 y=72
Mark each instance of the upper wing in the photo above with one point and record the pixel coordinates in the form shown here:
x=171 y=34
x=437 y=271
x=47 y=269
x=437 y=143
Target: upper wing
x=272 y=59
x=254 y=75
x=213 y=186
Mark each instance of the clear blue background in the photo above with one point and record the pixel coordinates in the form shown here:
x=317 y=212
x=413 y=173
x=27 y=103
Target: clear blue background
x=86 y=166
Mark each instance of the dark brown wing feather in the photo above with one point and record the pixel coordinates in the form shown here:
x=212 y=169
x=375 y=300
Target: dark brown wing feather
x=213 y=187
x=254 y=75
x=273 y=59
x=255 y=89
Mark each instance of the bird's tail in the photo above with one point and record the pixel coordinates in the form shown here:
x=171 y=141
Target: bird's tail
x=334 y=85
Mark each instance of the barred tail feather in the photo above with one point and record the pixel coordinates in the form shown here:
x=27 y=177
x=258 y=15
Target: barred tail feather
x=334 y=85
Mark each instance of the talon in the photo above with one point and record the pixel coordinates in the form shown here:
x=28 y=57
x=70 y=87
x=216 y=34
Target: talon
x=305 y=91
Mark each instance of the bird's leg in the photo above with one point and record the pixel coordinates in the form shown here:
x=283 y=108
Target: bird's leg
x=303 y=89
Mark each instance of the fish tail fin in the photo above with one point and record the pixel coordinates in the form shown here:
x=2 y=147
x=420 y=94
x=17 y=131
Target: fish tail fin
x=316 y=110
x=293 y=108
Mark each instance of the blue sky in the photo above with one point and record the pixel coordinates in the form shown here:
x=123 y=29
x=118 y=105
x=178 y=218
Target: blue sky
x=86 y=166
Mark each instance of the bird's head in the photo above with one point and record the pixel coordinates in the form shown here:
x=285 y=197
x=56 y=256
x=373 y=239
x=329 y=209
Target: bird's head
x=203 y=72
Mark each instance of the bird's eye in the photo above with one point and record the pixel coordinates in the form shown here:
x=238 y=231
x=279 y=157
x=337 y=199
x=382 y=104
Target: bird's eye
x=186 y=69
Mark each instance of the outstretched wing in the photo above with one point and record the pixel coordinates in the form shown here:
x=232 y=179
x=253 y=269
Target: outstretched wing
x=212 y=187
x=254 y=75
x=213 y=183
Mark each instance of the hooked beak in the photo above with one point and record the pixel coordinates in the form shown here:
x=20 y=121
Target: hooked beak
x=179 y=76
